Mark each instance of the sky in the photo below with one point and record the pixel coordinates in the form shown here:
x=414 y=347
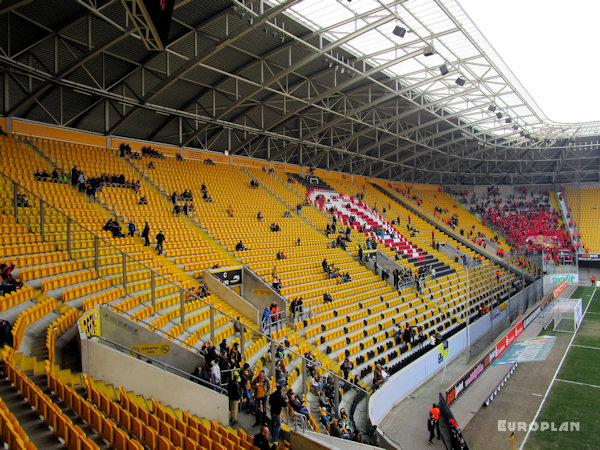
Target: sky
x=552 y=48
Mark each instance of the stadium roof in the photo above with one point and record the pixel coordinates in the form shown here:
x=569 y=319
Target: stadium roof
x=319 y=83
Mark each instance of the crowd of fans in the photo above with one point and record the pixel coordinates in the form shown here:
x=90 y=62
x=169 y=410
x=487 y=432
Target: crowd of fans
x=527 y=219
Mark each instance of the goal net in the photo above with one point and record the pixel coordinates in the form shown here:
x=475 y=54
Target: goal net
x=568 y=315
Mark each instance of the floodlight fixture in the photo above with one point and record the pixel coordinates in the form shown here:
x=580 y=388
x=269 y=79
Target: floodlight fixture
x=492 y=108
x=444 y=69
x=428 y=51
x=399 y=31
x=460 y=81
x=499 y=115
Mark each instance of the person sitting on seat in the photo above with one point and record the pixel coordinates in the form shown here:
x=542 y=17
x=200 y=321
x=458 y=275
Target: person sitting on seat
x=377 y=377
x=324 y=417
x=143 y=200
x=259 y=216
x=327 y=297
x=240 y=247
x=230 y=211
x=296 y=404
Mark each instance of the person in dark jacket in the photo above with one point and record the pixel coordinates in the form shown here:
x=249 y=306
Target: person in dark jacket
x=277 y=402
x=431 y=428
x=261 y=440
x=234 y=393
x=146 y=234
x=160 y=238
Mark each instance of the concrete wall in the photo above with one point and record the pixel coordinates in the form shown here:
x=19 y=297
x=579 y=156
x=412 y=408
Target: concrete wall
x=123 y=331
x=412 y=376
x=261 y=294
x=316 y=441
x=385 y=262
x=119 y=369
x=232 y=298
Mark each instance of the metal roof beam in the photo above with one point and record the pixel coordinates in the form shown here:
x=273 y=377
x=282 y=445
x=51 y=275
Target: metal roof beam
x=295 y=66
x=339 y=88
x=203 y=56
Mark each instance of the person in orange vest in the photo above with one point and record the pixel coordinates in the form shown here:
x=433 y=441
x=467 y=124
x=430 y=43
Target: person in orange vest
x=435 y=413
x=593 y=279
x=275 y=315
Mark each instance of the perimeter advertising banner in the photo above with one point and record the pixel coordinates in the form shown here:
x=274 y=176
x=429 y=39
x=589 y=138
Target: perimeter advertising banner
x=560 y=288
x=510 y=337
x=461 y=385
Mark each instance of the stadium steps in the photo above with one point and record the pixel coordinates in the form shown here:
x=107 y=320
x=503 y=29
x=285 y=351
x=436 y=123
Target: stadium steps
x=192 y=223
x=37 y=431
x=41 y=381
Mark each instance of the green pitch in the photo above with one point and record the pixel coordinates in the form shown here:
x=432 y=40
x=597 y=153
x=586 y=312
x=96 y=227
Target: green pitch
x=575 y=395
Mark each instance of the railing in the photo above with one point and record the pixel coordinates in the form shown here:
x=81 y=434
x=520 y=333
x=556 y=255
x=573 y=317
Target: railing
x=147 y=324
x=77 y=236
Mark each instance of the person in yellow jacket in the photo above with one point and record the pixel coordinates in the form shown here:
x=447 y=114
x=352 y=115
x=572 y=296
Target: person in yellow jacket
x=261 y=388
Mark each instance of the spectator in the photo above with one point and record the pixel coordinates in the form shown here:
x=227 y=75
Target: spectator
x=261 y=439
x=346 y=367
x=246 y=385
x=277 y=403
x=377 y=377
x=296 y=404
x=266 y=316
x=160 y=238
x=234 y=393
x=146 y=234
x=261 y=387
x=131 y=228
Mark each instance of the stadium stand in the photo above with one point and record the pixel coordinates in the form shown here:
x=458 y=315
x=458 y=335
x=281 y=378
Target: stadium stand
x=360 y=322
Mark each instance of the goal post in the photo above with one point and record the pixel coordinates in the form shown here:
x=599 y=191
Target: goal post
x=568 y=315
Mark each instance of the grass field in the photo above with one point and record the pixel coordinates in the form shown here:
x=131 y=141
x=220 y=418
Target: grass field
x=575 y=395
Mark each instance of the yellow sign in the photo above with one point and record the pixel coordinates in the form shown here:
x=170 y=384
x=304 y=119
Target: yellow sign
x=262 y=292
x=90 y=323
x=161 y=348
x=442 y=352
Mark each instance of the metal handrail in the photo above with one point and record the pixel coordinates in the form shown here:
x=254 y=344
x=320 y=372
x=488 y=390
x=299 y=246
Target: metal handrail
x=149 y=325
x=157 y=362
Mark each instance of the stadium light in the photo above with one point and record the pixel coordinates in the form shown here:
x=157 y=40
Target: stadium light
x=492 y=108
x=460 y=81
x=444 y=69
x=428 y=51
x=399 y=31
